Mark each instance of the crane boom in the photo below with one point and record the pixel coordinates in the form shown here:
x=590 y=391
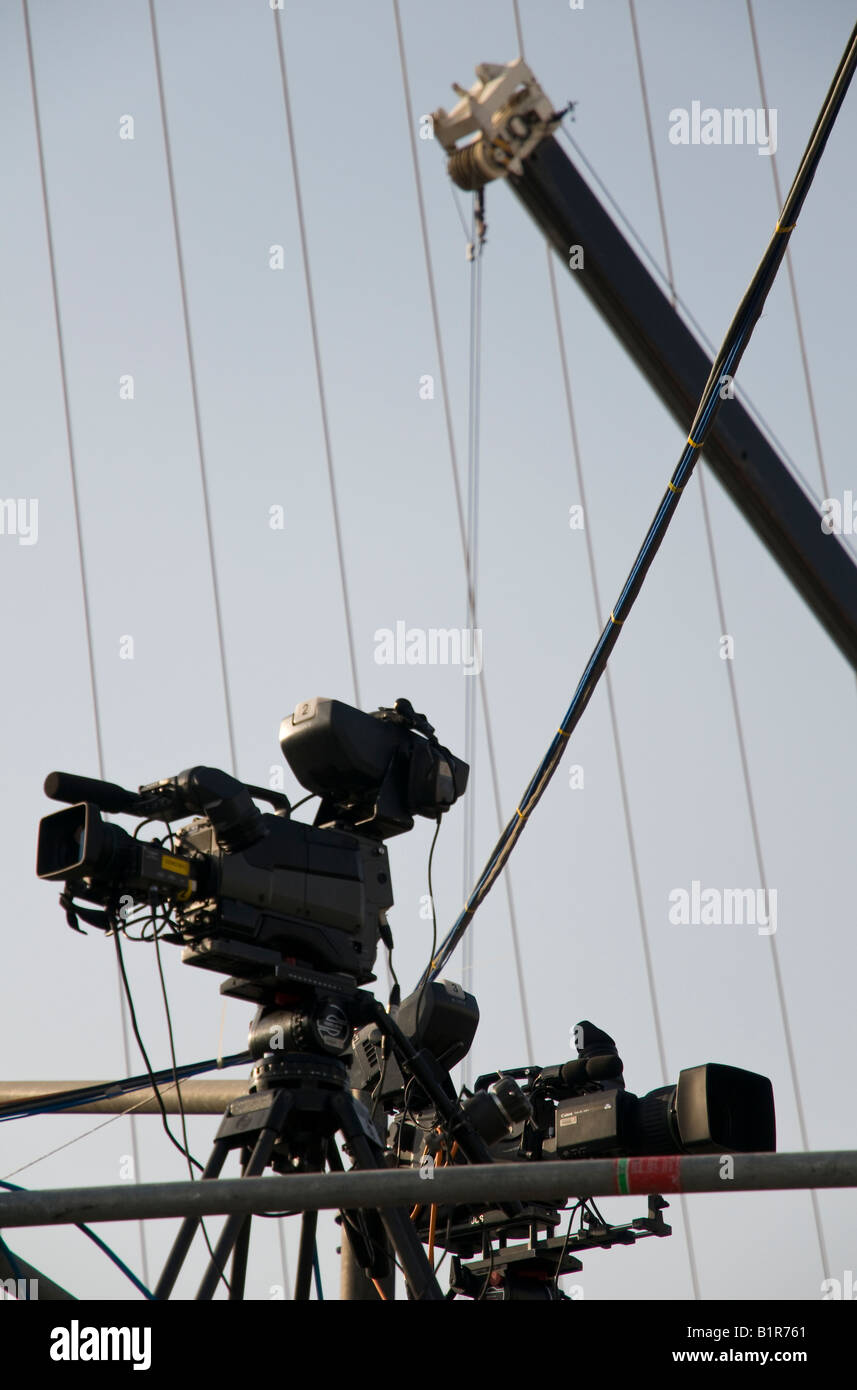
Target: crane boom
x=513 y=123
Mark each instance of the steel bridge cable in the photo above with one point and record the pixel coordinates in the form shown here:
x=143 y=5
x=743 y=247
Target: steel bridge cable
x=733 y=685
x=590 y=551
x=194 y=388
x=701 y=335
x=614 y=719
x=804 y=357
x=453 y=458
x=651 y=139
x=328 y=453
x=694 y=1271
x=81 y=551
x=617 y=744
x=474 y=408
x=518 y=28
x=319 y=373
x=725 y=364
x=810 y=393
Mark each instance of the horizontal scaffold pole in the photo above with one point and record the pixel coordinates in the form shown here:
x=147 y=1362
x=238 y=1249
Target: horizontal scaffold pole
x=198 y=1097
x=476 y=1183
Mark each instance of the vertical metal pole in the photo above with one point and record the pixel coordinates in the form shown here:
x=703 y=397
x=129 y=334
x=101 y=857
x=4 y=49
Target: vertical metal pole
x=354 y=1286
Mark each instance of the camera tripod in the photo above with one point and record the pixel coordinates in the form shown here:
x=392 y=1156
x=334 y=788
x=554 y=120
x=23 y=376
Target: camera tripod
x=298 y=1102
x=302 y=1102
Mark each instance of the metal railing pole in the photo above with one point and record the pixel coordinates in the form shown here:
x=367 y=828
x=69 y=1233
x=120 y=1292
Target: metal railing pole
x=477 y=1183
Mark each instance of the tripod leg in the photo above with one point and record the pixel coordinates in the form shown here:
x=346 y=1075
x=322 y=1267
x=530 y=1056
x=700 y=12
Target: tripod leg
x=256 y=1164
x=306 y=1252
x=238 y=1273
x=187 y=1230
x=405 y=1242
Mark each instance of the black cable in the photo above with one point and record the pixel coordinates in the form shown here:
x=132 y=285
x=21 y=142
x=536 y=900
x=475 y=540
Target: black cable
x=482 y=1292
x=96 y=1240
x=556 y=1277
x=143 y=1052
x=191 y=1161
x=393 y=975
x=411 y=1080
x=358 y=1227
x=13 y=1263
x=592 y=1207
x=180 y=1099
x=433 y=913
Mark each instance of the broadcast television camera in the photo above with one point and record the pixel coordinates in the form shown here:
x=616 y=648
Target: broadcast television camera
x=249 y=888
